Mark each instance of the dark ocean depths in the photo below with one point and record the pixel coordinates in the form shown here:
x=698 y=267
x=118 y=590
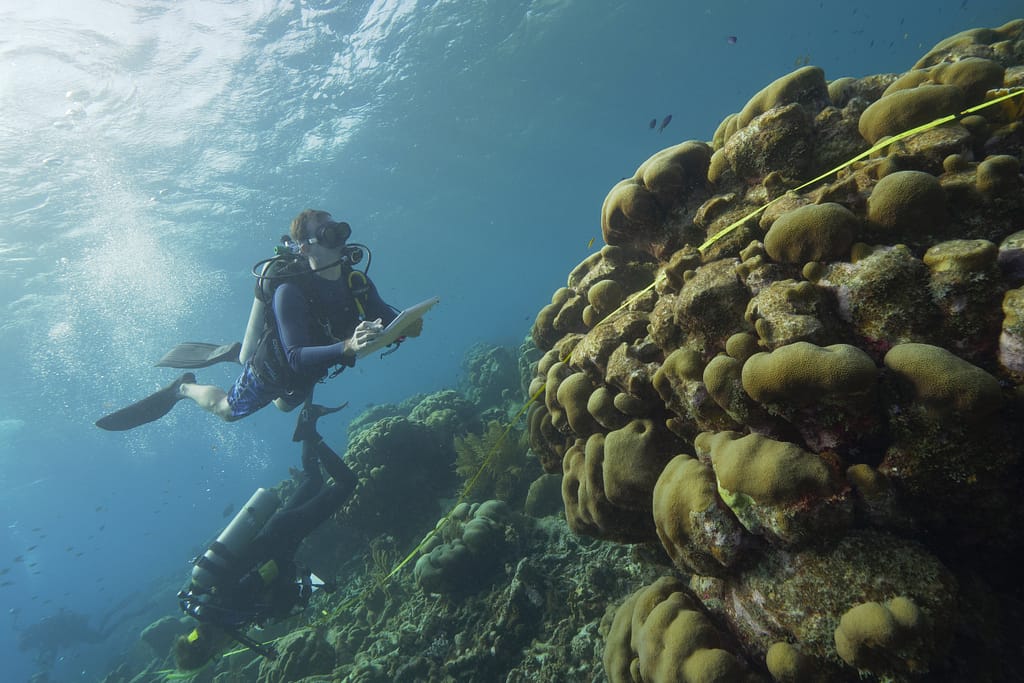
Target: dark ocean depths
x=151 y=151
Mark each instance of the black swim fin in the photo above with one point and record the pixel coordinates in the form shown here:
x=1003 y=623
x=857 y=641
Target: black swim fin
x=305 y=426
x=151 y=408
x=191 y=355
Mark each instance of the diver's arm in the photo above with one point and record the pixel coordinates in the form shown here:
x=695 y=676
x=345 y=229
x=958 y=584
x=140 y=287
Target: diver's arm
x=292 y=313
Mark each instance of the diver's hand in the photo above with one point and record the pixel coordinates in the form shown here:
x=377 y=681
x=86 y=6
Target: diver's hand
x=365 y=332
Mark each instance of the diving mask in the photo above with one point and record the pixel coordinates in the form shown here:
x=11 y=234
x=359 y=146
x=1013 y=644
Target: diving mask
x=331 y=234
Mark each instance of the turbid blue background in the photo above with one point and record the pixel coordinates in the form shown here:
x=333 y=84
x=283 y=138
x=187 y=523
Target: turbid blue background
x=150 y=152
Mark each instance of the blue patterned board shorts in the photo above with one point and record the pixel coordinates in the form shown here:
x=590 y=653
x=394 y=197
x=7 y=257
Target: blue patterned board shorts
x=249 y=393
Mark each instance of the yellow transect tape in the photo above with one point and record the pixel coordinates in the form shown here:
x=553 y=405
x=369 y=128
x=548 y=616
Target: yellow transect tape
x=878 y=146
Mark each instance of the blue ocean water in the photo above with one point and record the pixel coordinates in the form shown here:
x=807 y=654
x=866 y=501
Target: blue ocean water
x=150 y=152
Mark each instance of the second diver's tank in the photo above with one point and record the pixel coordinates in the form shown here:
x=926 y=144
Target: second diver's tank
x=232 y=541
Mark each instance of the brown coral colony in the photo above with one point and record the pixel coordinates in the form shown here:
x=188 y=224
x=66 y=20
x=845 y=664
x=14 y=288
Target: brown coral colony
x=818 y=414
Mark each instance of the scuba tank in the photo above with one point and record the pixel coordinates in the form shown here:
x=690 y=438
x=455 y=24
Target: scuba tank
x=243 y=528
x=254 y=328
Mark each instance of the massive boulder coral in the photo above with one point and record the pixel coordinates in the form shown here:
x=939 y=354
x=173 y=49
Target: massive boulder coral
x=466 y=548
x=835 y=363
x=805 y=598
x=661 y=633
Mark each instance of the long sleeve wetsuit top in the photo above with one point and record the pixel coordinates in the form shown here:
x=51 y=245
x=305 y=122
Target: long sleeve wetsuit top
x=311 y=352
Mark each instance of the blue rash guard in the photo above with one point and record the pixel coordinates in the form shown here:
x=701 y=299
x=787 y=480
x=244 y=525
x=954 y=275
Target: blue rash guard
x=310 y=343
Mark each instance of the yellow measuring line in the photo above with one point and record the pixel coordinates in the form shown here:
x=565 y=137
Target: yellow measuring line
x=878 y=146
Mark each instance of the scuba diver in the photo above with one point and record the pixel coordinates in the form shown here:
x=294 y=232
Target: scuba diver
x=312 y=311
x=248 y=576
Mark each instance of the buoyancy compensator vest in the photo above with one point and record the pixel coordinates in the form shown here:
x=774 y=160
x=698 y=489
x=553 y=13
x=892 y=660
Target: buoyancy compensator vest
x=262 y=344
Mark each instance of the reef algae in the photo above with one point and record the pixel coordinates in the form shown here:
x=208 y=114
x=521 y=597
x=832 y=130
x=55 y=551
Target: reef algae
x=837 y=374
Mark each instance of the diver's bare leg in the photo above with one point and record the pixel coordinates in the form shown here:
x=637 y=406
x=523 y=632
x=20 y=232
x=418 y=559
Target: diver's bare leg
x=210 y=398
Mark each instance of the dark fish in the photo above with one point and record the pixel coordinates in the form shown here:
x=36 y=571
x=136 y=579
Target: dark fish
x=664 y=122
x=228 y=510
x=102 y=527
x=654 y=122
x=19 y=558
x=32 y=547
x=731 y=40
x=37 y=528
x=4 y=570
x=7 y=583
x=99 y=508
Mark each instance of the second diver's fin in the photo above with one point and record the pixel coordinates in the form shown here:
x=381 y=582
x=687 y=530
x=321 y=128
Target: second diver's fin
x=151 y=408
x=191 y=355
x=305 y=426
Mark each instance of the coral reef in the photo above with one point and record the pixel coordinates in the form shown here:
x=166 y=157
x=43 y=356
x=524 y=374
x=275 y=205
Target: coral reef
x=784 y=425
x=812 y=398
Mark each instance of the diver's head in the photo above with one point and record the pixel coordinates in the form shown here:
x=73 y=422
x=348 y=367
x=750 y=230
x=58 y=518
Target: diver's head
x=198 y=647
x=313 y=227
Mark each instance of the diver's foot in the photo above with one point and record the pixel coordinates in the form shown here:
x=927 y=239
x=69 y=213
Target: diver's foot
x=149 y=409
x=186 y=378
x=305 y=426
x=338 y=470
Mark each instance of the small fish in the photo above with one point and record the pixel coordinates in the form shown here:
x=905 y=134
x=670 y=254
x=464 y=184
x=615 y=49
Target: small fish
x=100 y=508
x=4 y=570
x=19 y=558
x=664 y=122
x=7 y=583
x=653 y=123
x=589 y=245
x=731 y=40
x=32 y=547
x=37 y=528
